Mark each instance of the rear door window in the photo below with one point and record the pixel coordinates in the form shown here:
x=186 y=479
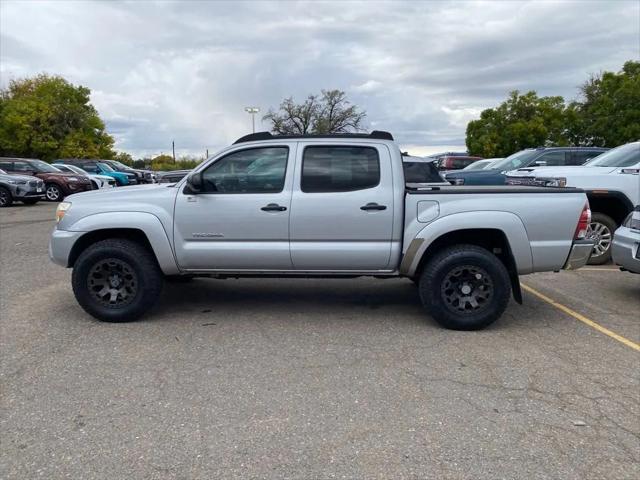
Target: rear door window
x=339 y=169
x=553 y=159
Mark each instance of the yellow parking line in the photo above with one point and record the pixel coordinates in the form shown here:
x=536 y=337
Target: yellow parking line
x=582 y=318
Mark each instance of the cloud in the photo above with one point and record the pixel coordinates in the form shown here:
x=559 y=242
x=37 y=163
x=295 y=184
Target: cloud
x=184 y=71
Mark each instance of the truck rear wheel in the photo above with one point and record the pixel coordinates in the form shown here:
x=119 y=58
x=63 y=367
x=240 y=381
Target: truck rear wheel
x=465 y=287
x=601 y=230
x=116 y=280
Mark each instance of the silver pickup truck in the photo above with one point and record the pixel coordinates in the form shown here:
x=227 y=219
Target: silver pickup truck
x=318 y=206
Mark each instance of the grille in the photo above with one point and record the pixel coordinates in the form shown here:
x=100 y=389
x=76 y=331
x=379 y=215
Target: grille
x=33 y=183
x=530 y=181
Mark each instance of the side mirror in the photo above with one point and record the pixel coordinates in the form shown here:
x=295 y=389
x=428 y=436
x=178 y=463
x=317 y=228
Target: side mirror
x=194 y=183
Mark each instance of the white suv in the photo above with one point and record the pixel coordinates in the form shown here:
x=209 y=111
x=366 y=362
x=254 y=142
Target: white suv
x=611 y=182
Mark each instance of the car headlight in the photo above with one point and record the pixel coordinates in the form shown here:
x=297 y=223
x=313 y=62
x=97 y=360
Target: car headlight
x=552 y=182
x=63 y=207
x=17 y=182
x=457 y=181
x=73 y=179
x=632 y=222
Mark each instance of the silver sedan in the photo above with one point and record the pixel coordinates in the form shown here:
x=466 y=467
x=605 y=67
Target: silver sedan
x=625 y=248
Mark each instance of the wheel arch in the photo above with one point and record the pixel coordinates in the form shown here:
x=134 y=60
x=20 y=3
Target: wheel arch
x=148 y=231
x=612 y=203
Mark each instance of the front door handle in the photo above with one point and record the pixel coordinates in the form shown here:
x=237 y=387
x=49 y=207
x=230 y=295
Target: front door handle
x=373 y=206
x=273 y=207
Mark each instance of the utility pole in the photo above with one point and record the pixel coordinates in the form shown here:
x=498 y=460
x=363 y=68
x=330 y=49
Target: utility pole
x=252 y=111
x=173 y=148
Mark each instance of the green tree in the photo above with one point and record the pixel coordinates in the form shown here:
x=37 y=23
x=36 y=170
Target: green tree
x=608 y=111
x=522 y=121
x=329 y=112
x=47 y=117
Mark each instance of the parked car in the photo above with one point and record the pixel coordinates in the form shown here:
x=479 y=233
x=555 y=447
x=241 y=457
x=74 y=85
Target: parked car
x=57 y=184
x=142 y=176
x=611 y=182
x=319 y=206
x=421 y=171
x=98 y=181
x=99 y=168
x=562 y=156
x=483 y=164
x=457 y=162
x=172 y=176
x=625 y=249
x=20 y=188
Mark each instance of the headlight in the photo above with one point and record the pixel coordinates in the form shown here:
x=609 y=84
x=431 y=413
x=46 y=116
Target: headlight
x=73 y=179
x=552 y=182
x=17 y=182
x=63 y=207
x=631 y=222
x=457 y=181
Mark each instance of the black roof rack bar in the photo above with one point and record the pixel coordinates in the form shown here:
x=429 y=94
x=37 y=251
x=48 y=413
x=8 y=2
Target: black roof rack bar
x=258 y=136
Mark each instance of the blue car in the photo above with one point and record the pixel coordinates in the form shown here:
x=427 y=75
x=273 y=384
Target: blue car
x=100 y=168
x=543 y=156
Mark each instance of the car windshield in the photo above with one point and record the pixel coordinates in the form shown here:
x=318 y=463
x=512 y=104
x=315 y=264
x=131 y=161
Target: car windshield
x=516 y=160
x=43 y=167
x=120 y=165
x=479 y=165
x=75 y=169
x=106 y=167
x=623 y=156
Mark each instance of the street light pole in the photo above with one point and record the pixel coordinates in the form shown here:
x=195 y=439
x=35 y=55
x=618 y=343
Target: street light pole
x=252 y=111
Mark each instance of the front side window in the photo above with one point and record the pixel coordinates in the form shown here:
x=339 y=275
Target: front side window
x=256 y=170
x=90 y=167
x=339 y=169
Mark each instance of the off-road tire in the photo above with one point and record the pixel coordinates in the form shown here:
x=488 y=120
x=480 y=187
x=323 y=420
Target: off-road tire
x=610 y=224
x=6 y=200
x=140 y=261
x=436 y=288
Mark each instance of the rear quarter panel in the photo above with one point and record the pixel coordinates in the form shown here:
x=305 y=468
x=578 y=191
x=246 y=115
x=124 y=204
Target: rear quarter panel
x=539 y=227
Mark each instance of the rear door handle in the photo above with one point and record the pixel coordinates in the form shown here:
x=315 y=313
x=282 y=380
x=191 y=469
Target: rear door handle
x=373 y=206
x=273 y=207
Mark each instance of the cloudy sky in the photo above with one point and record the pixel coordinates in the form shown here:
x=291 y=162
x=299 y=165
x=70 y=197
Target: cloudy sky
x=161 y=71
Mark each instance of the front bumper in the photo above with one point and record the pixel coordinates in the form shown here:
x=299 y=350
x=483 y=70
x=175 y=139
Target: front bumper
x=579 y=254
x=625 y=249
x=60 y=245
x=77 y=187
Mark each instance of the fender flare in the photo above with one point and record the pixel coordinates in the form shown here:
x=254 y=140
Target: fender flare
x=147 y=223
x=508 y=223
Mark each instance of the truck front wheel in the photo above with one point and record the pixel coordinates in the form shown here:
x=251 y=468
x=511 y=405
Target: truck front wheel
x=465 y=287
x=116 y=280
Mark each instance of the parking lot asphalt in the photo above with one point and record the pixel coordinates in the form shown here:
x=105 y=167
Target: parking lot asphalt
x=311 y=379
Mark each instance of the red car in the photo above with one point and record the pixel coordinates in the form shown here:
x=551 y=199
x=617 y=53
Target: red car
x=457 y=162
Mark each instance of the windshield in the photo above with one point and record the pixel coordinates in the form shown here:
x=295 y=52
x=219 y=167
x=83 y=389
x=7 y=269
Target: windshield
x=75 y=169
x=479 y=165
x=120 y=165
x=623 y=156
x=517 y=160
x=106 y=167
x=43 y=167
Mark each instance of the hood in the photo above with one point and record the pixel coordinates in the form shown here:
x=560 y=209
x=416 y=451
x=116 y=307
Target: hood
x=8 y=176
x=560 y=171
x=472 y=173
x=132 y=193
